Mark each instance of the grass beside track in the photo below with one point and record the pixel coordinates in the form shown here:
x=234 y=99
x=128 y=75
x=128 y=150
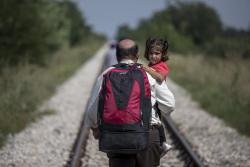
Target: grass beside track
x=220 y=86
x=25 y=87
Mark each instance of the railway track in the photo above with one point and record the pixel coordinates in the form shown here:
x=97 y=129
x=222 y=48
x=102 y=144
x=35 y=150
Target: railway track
x=185 y=153
x=85 y=151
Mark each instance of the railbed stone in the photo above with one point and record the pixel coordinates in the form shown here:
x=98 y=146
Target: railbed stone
x=48 y=141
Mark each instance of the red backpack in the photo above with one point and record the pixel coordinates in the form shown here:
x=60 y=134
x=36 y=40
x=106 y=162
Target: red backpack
x=124 y=110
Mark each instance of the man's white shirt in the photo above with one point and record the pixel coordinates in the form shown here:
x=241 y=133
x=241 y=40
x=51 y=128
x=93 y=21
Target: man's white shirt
x=159 y=93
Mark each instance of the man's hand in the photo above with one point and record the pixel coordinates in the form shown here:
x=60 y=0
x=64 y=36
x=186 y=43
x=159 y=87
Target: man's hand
x=96 y=133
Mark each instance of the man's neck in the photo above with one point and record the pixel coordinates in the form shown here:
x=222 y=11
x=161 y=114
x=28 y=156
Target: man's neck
x=127 y=61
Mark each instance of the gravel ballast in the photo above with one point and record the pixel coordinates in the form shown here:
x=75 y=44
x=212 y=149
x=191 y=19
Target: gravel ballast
x=48 y=142
x=217 y=144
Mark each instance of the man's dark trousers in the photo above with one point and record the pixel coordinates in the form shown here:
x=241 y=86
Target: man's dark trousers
x=147 y=158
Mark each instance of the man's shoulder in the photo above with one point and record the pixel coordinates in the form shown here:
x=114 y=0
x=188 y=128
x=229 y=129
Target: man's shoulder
x=106 y=70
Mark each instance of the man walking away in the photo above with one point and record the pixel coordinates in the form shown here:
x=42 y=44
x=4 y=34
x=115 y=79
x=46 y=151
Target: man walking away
x=127 y=56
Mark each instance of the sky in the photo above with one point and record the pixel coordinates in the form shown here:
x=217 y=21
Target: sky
x=106 y=16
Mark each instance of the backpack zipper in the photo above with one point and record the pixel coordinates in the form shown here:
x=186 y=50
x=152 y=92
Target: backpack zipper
x=141 y=118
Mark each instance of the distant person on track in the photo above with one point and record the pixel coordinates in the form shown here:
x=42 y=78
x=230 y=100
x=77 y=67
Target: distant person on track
x=156 y=53
x=127 y=56
x=110 y=58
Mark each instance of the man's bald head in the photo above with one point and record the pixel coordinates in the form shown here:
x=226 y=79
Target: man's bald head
x=126 y=43
x=127 y=49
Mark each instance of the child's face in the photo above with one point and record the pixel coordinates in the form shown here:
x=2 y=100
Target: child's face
x=154 y=56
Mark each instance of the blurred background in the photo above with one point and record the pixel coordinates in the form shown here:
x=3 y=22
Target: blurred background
x=42 y=42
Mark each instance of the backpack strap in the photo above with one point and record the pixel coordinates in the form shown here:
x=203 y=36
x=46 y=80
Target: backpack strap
x=121 y=66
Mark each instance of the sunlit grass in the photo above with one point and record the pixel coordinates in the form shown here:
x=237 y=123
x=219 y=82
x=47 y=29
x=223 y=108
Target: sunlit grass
x=25 y=87
x=221 y=86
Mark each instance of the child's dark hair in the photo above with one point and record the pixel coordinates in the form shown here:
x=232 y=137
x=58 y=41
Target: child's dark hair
x=162 y=44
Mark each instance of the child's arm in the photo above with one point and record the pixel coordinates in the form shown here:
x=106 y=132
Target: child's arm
x=157 y=76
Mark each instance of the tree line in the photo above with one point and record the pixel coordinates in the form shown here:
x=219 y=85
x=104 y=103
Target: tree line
x=192 y=27
x=31 y=29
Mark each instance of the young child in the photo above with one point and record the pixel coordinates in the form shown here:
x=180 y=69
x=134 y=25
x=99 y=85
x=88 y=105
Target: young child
x=156 y=54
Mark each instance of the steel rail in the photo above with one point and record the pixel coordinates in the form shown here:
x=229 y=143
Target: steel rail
x=80 y=144
x=170 y=125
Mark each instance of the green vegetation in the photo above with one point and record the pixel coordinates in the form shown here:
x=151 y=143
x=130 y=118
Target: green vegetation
x=26 y=86
x=42 y=42
x=187 y=26
x=217 y=76
x=221 y=86
x=230 y=47
x=30 y=30
x=191 y=28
